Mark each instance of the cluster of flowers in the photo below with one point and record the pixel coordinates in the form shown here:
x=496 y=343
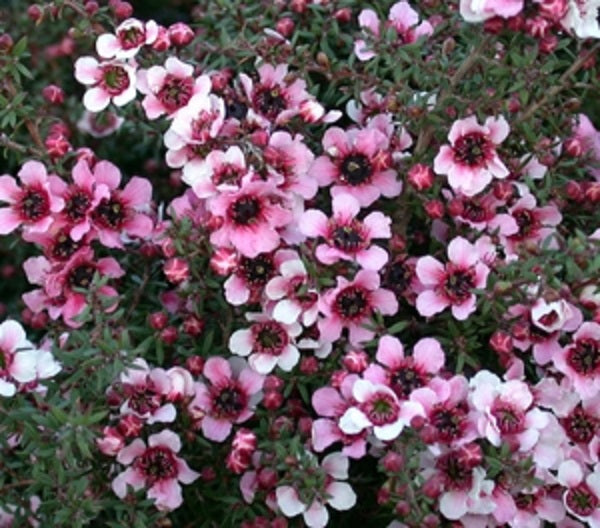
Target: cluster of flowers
x=323 y=283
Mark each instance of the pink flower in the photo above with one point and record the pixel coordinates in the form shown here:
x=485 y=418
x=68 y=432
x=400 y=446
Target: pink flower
x=131 y=35
x=339 y=495
x=31 y=204
x=403 y=18
x=451 y=284
x=471 y=161
x=580 y=361
x=170 y=88
x=379 y=408
x=582 y=496
x=17 y=358
x=155 y=467
x=229 y=397
x=480 y=10
x=351 y=304
x=331 y=404
x=403 y=373
x=267 y=343
x=293 y=293
x=345 y=236
x=100 y=125
x=582 y=18
x=589 y=138
x=108 y=81
x=357 y=162
x=251 y=218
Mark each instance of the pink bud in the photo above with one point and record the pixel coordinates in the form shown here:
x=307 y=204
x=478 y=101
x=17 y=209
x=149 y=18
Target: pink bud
x=434 y=209
x=158 y=320
x=273 y=382
x=123 y=10
x=393 y=462
x=309 y=365
x=91 y=8
x=272 y=400
x=112 y=442
x=193 y=326
x=238 y=461
x=130 y=426
x=573 y=147
x=223 y=261
x=57 y=145
x=163 y=41
x=35 y=12
x=195 y=364
x=180 y=34
x=285 y=26
x=6 y=43
x=244 y=440
x=501 y=342
x=53 y=94
x=267 y=478
x=169 y=335
x=356 y=361
x=176 y=270
x=420 y=177
x=343 y=15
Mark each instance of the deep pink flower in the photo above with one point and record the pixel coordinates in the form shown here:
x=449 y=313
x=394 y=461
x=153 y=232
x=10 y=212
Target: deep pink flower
x=267 y=343
x=155 y=467
x=471 y=161
x=580 y=361
x=347 y=237
x=170 y=88
x=451 y=284
x=229 y=396
x=351 y=304
x=108 y=81
x=30 y=204
x=358 y=163
x=251 y=218
x=130 y=36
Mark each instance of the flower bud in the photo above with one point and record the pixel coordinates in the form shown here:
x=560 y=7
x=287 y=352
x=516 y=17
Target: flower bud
x=195 y=364
x=223 y=261
x=123 y=10
x=193 y=326
x=267 y=478
x=238 y=461
x=169 y=335
x=356 y=361
x=434 y=209
x=35 y=12
x=272 y=400
x=53 y=94
x=130 y=426
x=501 y=342
x=309 y=365
x=393 y=462
x=176 y=270
x=285 y=26
x=244 y=440
x=163 y=41
x=573 y=147
x=91 y=8
x=158 y=320
x=420 y=177
x=6 y=43
x=343 y=15
x=180 y=34
x=57 y=145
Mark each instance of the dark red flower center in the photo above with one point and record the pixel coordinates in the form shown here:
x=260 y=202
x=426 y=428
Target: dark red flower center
x=269 y=338
x=142 y=400
x=298 y=290
x=110 y=213
x=63 y=246
x=584 y=356
x=81 y=276
x=399 y=275
x=227 y=174
x=229 y=401
x=115 y=79
x=34 y=204
x=381 y=409
x=352 y=303
x=270 y=101
x=581 y=500
x=508 y=419
x=157 y=463
x=473 y=149
x=132 y=37
x=459 y=283
x=175 y=92
x=457 y=475
x=407 y=378
x=349 y=238
x=257 y=271
x=77 y=204
x=245 y=210
x=527 y=502
x=449 y=422
x=580 y=426
x=475 y=212
x=527 y=222
x=356 y=169
x=235 y=108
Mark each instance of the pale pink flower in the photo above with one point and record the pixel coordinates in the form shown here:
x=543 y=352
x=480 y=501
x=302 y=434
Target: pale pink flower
x=267 y=344
x=100 y=125
x=130 y=36
x=473 y=495
x=471 y=160
x=32 y=203
x=582 y=18
x=229 y=396
x=339 y=495
x=347 y=237
x=18 y=362
x=293 y=294
x=155 y=467
x=357 y=162
x=589 y=137
x=451 y=284
x=582 y=496
x=351 y=304
x=170 y=88
x=480 y=10
x=378 y=408
x=251 y=218
x=182 y=384
x=108 y=81
x=580 y=361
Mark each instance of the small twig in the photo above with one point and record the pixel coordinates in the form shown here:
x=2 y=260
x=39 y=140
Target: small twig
x=19 y=484
x=29 y=124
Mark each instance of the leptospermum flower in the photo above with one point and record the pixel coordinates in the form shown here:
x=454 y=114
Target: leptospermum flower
x=123 y=211
x=505 y=411
x=582 y=18
x=451 y=284
x=582 y=496
x=229 y=397
x=480 y=10
x=108 y=81
x=31 y=204
x=339 y=495
x=351 y=304
x=251 y=218
x=357 y=162
x=130 y=36
x=378 y=408
x=20 y=361
x=346 y=237
x=155 y=467
x=402 y=17
x=293 y=294
x=471 y=160
x=267 y=343
x=580 y=361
